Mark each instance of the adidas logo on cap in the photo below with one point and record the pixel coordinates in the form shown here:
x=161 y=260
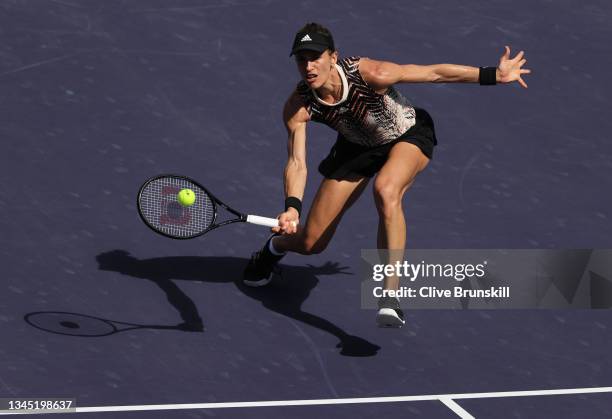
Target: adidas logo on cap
x=312 y=41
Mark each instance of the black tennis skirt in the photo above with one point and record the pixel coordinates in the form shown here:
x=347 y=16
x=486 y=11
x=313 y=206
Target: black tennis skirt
x=347 y=160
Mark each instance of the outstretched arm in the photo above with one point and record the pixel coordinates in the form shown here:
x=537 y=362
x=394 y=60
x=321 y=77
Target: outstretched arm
x=383 y=74
x=295 y=117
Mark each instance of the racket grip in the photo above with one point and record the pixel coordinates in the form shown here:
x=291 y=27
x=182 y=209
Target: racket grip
x=262 y=221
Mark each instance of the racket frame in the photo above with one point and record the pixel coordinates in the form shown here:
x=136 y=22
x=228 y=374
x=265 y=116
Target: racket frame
x=242 y=218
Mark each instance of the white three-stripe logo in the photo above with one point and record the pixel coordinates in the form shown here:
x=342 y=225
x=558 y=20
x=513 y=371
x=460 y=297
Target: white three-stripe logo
x=306 y=38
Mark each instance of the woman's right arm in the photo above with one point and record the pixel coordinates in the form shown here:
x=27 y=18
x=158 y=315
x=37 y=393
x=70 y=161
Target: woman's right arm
x=295 y=117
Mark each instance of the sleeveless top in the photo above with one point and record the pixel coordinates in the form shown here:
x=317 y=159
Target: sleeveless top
x=362 y=116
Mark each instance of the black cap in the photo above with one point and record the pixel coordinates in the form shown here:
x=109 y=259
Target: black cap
x=312 y=41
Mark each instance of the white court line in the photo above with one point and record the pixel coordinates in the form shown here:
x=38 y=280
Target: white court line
x=460 y=411
x=314 y=402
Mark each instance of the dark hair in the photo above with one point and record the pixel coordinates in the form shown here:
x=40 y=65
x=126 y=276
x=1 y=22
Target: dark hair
x=320 y=29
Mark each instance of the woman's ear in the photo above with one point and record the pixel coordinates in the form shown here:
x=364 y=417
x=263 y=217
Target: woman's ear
x=334 y=57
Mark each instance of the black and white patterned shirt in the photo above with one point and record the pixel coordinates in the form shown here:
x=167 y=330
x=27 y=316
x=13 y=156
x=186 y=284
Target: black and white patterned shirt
x=362 y=116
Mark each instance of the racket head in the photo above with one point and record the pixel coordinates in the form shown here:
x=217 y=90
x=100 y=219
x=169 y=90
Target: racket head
x=159 y=208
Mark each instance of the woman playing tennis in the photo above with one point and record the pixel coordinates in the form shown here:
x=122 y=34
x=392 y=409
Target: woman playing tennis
x=379 y=134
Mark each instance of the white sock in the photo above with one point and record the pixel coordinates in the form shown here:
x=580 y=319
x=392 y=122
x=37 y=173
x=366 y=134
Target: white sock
x=273 y=250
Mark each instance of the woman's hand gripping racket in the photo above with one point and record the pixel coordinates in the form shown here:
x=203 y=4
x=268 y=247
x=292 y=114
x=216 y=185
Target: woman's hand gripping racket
x=161 y=209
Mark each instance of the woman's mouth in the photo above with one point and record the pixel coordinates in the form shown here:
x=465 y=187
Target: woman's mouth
x=311 y=78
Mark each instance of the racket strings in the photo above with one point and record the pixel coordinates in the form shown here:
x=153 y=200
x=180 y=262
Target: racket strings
x=159 y=206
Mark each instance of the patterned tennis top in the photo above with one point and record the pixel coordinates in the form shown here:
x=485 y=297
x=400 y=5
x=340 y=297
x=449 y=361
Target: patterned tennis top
x=362 y=116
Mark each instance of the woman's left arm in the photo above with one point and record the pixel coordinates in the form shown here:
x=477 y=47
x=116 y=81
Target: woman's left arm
x=383 y=74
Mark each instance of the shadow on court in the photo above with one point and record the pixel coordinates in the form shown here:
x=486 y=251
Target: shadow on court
x=284 y=296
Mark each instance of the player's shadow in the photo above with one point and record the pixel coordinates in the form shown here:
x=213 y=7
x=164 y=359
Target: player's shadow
x=284 y=297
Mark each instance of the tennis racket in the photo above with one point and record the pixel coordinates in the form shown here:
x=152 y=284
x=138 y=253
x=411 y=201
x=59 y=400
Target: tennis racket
x=160 y=209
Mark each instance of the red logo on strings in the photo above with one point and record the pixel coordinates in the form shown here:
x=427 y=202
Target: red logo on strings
x=172 y=212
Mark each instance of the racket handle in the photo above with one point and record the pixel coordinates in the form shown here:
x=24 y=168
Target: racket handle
x=262 y=221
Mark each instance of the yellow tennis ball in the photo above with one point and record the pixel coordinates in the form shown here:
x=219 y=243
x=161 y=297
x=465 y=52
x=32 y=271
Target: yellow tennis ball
x=186 y=197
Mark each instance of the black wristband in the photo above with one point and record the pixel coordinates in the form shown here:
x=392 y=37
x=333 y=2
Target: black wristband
x=293 y=202
x=487 y=76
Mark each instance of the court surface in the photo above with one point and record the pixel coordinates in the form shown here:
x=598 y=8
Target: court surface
x=97 y=96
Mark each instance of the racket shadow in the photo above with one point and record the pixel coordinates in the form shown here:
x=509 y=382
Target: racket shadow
x=284 y=297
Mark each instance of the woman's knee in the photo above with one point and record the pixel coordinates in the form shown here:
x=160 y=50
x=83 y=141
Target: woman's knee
x=314 y=245
x=311 y=242
x=388 y=196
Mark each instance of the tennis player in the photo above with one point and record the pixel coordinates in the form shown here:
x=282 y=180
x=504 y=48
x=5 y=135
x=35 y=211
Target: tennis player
x=379 y=134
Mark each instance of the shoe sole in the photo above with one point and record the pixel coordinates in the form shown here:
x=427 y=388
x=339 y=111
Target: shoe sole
x=259 y=283
x=255 y=284
x=387 y=317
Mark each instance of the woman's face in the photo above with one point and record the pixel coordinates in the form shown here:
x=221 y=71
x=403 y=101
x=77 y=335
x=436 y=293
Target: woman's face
x=315 y=67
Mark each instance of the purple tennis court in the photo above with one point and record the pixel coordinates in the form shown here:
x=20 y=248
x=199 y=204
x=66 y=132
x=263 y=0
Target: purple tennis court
x=98 y=96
